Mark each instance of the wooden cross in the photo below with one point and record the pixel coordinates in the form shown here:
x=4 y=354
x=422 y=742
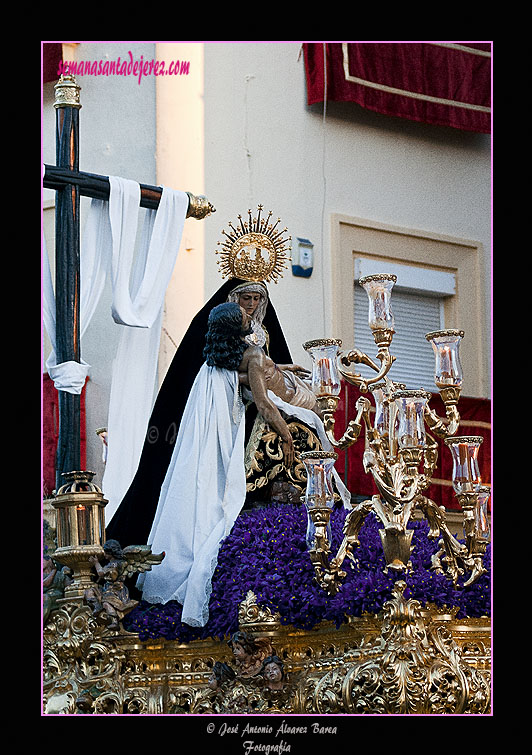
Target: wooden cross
x=69 y=184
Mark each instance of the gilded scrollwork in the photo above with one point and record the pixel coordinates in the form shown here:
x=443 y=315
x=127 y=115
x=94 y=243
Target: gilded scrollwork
x=255 y=617
x=410 y=668
x=81 y=661
x=409 y=660
x=264 y=455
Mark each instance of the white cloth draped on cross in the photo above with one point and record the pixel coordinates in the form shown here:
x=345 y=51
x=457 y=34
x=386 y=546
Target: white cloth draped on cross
x=139 y=275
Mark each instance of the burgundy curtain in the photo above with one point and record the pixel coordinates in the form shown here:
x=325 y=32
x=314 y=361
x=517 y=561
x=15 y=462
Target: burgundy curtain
x=52 y=55
x=475 y=419
x=445 y=84
x=50 y=432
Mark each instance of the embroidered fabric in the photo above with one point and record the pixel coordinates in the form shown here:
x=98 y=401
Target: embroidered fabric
x=238 y=406
x=258 y=337
x=311 y=419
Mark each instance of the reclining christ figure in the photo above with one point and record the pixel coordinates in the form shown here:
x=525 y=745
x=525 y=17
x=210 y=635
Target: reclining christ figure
x=205 y=485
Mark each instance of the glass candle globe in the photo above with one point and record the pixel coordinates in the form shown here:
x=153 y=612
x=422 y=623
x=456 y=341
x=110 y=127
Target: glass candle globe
x=319 y=492
x=448 y=370
x=385 y=412
x=379 y=291
x=381 y=423
x=464 y=451
x=325 y=376
x=410 y=406
x=482 y=521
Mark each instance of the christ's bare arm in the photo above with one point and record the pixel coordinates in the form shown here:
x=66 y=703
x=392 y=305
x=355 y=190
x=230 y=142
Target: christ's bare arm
x=254 y=362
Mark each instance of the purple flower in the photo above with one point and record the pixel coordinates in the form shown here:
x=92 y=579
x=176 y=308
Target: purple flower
x=266 y=553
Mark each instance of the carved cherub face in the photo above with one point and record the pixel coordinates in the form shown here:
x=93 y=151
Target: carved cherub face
x=84 y=703
x=273 y=672
x=239 y=651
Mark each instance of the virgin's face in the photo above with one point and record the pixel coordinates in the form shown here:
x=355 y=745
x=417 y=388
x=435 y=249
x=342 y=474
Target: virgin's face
x=249 y=301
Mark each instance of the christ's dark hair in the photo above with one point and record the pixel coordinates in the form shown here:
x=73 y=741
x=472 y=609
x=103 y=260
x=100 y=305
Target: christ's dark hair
x=224 y=346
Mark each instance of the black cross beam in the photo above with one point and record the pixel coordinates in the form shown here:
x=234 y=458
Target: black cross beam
x=69 y=184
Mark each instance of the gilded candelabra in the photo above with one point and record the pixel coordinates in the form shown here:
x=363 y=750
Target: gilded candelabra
x=400 y=453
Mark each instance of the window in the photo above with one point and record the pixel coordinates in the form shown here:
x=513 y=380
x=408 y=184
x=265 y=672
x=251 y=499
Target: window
x=440 y=284
x=418 y=308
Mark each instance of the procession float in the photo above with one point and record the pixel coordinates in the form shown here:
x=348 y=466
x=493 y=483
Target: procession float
x=321 y=601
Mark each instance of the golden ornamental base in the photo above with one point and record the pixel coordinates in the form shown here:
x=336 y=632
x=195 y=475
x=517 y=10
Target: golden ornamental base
x=407 y=660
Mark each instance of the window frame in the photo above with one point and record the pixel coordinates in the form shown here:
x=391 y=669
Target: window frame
x=353 y=237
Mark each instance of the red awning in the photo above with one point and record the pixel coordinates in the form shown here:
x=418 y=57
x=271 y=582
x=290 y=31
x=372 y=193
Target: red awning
x=52 y=55
x=442 y=83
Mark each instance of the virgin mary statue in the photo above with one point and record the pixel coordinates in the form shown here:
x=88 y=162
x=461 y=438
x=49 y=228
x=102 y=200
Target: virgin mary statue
x=190 y=484
x=132 y=521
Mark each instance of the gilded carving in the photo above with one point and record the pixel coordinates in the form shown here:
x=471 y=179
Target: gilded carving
x=409 y=660
x=410 y=668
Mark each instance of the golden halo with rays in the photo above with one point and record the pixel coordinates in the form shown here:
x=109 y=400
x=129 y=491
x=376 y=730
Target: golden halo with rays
x=254 y=251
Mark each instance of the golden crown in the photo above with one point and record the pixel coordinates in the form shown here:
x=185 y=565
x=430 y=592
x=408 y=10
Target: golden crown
x=256 y=251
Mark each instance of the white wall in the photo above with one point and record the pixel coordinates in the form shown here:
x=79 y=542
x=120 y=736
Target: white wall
x=180 y=165
x=265 y=145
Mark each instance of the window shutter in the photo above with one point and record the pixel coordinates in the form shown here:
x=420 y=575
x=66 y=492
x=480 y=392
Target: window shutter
x=414 y=315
